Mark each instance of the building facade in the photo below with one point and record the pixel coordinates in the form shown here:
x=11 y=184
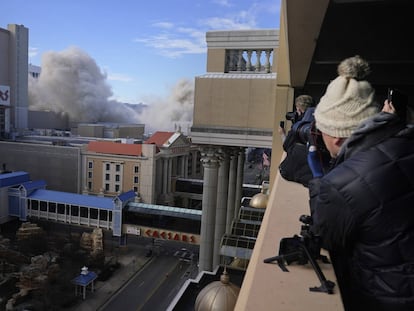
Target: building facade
x=14 y=43
x=233 y=110
x=109 y=168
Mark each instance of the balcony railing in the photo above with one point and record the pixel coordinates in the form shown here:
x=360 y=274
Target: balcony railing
x=249 y=60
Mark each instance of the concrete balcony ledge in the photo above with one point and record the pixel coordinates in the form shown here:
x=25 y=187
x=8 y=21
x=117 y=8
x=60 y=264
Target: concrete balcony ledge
x=242 y=39
x=266 y=286
x=230 y=136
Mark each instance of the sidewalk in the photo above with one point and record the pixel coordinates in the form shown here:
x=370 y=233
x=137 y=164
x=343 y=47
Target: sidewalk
x=132 y=260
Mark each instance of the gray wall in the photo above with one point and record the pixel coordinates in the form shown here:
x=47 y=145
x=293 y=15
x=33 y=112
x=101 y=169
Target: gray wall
x=59 y=166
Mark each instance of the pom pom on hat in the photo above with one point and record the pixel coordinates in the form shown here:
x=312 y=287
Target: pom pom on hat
x=348 y=100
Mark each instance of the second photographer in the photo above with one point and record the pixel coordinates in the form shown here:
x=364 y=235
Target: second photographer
x=296 y=142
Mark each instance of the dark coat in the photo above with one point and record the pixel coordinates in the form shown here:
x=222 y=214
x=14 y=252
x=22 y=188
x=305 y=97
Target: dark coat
x=364 y=211
x=295 y=165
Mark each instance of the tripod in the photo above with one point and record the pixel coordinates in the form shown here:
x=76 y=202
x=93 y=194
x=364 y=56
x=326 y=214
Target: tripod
x=303 y=249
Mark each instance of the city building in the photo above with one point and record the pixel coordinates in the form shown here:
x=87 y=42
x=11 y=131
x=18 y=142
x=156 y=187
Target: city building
x=14 y=42
x=34 y=71
x=233 y=110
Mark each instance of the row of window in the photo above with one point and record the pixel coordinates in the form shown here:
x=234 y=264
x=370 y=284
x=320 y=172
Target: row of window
x=72 y=210
x=117 y=167
x=115 y=185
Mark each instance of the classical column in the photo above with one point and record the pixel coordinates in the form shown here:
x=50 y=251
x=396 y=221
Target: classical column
x=232 y=189
x=241 y=157
x=164 y=176
x=182 y=166
x=221 y=210
x=170 y=165
x=210 y=163
x=185 y=166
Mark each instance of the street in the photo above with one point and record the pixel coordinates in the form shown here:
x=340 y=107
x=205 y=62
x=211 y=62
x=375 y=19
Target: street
x=152 y=288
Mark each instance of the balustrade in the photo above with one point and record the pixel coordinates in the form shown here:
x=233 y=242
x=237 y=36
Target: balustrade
x=249 y=60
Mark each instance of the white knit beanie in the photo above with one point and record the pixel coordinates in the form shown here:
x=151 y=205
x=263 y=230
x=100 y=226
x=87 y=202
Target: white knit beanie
x=348 y=100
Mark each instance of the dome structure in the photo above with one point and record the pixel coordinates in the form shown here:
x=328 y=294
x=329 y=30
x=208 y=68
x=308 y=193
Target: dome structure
x=260 y=200
x=219 y=295
x=239 y=263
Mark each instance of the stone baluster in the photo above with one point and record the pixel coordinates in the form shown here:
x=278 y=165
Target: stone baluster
x=258 y=64
x=267 y=63
x=240 y=60
x=232 y=66
x=249 y=60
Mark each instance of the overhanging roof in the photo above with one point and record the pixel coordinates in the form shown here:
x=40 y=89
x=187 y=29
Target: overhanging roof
x=163 y=210
x=380 y=31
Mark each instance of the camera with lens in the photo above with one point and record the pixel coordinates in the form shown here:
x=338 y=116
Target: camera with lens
x=305 y=131
x=293 y=116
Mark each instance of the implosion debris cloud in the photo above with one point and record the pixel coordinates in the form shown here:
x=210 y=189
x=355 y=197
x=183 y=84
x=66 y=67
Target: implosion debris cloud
x=71 y=83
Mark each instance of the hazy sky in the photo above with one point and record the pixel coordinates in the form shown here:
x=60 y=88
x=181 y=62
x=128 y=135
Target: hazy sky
x=144 y=47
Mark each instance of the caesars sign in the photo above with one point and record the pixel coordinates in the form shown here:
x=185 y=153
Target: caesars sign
x=162 y=234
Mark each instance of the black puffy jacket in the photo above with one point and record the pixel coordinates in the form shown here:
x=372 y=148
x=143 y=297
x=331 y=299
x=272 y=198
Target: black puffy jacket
x=363 y=209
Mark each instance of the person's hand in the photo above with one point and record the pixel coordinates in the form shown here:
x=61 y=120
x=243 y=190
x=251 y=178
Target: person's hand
x=314 y=162
x=282 y=133
x=388 y=107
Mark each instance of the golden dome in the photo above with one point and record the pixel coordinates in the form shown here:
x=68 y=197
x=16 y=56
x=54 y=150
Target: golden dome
x=218 y=295
x=239 y=263
x=259 y=200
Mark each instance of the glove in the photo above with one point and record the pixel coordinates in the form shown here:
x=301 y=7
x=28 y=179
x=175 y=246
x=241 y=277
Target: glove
x=314 y=162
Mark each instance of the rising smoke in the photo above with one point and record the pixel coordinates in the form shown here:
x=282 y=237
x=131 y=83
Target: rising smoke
x=71 y=83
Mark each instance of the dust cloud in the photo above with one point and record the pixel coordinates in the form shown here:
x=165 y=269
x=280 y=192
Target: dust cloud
x=71 y=83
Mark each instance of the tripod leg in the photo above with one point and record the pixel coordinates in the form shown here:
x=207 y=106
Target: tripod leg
x=326 y=285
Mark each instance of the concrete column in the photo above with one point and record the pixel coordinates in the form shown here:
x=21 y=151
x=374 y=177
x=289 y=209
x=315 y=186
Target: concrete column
x=185 y=166
x=195 y=161
x=164 y=176
x=240 y=177
x=170 y=165
x=210 y=163
x=182 y=166
x=232 y=190
x=221 y=210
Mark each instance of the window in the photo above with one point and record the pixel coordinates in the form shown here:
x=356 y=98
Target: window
x=107 y=177
x=106 y=187
x=135 y=179
x=108 y=167
x=118 y=167
x=135 y=189
x=136 y=169
x=117 y=178
x=90 y=164
x=89 y=174
x=89 y=185
x=116 y=188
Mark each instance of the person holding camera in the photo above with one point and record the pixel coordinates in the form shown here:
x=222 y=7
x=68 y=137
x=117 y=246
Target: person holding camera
x=363 y=208
x=294 y=167
x=302 y=103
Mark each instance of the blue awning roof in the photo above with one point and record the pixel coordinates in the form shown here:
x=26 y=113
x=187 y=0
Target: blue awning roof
x=127 y=195
x=85 y=279
x=13 y=179
x=31 y=185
